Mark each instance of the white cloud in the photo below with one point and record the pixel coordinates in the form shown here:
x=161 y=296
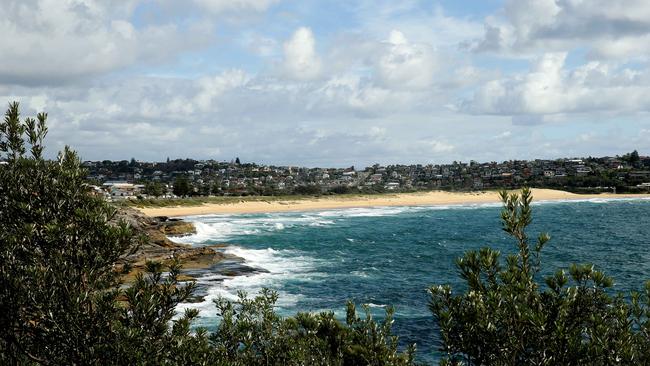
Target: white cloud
x=377 y=132
x=53 y=41
x=607 y=29
x=504 y=135
x=352 y=91
x=440 y=146
x=424 y=22
x=552 y=88
x=382 y=84
x=152 y=132
x=360 y=96
x=212 y=87
x=231 y=112
x=224 y=6
x=406 y=65
x=301 y=61
x=260 y=45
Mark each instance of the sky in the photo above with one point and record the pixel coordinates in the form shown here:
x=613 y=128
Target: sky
x=332 y=83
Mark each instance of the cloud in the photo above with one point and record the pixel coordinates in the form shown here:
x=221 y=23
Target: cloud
x=440 y=146
x=424 y=22
x=260 y=45
x=403 y=64
x=549 y=87
x=355 y=94
x=608 y=29
x=503 y=136
x=372 y=76
x=212 y=87
x=49 y=42
x=301 y=62
x=387 y=81
x=527 y=119
x=231 y=112
x=225 y=6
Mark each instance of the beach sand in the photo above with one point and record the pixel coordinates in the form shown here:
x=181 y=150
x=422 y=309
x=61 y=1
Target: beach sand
x=336 y=202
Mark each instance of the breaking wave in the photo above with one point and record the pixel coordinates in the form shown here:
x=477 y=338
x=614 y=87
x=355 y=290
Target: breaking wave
x=270 y=269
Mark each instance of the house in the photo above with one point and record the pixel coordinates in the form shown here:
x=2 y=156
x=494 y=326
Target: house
x=97 y=191
x=122 y=190
x=478 y=183
x=391 y=186
x=375 y=178
x=583 y=170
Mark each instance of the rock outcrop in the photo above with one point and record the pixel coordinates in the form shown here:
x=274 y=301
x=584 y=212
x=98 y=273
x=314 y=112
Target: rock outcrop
x=175 y=226
x=158 y=247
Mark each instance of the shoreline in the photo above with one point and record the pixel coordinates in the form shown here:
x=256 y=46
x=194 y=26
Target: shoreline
x=433 y=198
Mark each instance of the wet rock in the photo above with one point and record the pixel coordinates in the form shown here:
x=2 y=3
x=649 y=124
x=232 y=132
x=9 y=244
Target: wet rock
x=195 y=299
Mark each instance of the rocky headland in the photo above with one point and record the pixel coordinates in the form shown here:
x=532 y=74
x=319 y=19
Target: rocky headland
x=157 y=247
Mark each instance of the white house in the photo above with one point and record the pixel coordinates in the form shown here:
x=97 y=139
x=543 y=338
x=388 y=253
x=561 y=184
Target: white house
x=391 y=186
x=122 y=190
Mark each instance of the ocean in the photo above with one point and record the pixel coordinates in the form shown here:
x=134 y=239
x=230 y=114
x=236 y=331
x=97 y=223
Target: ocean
x=384 y=256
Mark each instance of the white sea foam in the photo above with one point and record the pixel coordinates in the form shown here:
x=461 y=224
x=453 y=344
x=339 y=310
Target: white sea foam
x=369 y=211
x=382 y=211
x=373 y=305
x=361 y=274
x=321 y=223
x=276 y=267
x=215 y=231
x=223 y=228
x=592 y=200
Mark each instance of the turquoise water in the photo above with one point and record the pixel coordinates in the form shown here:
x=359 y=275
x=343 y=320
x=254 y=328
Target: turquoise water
x=391 y=255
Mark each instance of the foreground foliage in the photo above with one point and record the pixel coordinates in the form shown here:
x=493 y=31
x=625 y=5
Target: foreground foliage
x=58 y=289
x=506 y=318
x=61 y=301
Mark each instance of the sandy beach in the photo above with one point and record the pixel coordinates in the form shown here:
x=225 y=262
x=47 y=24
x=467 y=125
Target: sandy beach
x=337 y=202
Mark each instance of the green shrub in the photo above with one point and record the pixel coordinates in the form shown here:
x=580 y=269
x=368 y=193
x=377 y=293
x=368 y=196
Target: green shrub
x=251 y=333
x=58 y=288
x=506 y=318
